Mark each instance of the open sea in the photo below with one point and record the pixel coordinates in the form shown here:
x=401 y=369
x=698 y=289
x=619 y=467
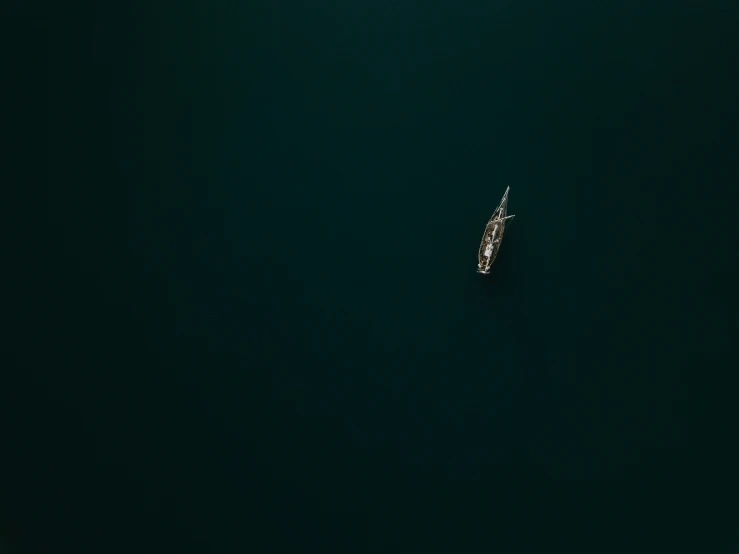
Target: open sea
x=242 y=313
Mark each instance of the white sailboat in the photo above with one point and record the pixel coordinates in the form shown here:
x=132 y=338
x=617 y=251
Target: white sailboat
x=493 y=236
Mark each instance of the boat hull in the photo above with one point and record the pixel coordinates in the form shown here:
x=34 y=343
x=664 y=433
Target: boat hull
x=493 y=236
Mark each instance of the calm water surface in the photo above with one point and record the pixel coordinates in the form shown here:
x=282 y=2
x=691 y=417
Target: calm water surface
x=244 y=309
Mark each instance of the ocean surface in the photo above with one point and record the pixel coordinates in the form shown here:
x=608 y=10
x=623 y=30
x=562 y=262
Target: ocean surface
x=240 y=291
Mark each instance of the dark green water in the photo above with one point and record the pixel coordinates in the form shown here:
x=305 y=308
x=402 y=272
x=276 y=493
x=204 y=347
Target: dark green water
x=243 y=313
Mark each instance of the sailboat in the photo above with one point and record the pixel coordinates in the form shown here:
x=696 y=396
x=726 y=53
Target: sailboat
x=493 y=235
